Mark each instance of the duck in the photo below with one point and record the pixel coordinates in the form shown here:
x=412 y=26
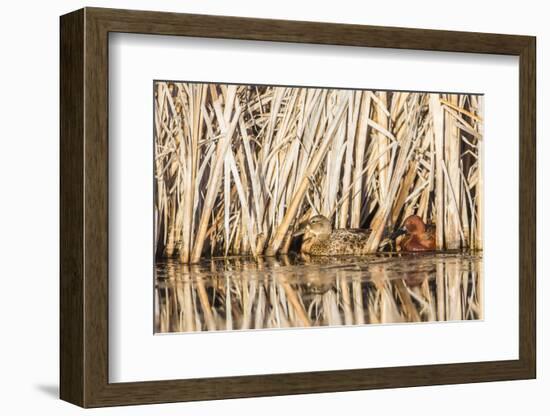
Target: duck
x=320 y=239
x=418 y=236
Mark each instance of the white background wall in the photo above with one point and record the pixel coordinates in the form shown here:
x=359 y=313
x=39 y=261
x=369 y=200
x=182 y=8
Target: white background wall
x=29 y=206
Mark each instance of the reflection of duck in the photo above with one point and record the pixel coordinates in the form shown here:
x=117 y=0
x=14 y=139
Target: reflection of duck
x=321 y=240
x=419 y=236
x=318 y=282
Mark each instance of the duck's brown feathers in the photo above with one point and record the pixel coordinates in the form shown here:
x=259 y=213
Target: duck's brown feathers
x=424 y=241
x=348 y=241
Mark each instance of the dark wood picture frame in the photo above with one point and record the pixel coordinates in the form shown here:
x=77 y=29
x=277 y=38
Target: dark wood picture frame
x=84 y=207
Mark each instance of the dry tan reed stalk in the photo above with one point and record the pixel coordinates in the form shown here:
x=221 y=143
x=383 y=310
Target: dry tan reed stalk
x=450 y=171
x=360 y=147
x=438 y=132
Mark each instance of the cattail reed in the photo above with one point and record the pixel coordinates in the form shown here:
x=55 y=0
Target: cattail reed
x=239 y=168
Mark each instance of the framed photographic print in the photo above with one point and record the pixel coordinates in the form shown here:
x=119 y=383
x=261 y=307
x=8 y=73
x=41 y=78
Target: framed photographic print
x=256 y=207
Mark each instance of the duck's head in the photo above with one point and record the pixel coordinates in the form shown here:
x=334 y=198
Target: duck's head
x=319 y=227
x=413 y=224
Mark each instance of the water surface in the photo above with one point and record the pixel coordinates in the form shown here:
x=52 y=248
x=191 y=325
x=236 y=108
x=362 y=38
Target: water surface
x=240 y=293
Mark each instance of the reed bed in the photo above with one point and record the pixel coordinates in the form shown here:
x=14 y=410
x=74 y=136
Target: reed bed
x=240 y=168
x=278 y=292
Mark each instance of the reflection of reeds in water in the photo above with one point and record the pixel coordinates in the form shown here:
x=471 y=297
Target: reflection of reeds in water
x=237 y=168
x=282 y=292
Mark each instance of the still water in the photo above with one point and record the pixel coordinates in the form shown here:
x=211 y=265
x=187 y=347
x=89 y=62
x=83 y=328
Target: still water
x=290 y=291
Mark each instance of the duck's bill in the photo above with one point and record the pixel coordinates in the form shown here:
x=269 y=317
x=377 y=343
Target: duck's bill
x=299 y=232
x=397 y=233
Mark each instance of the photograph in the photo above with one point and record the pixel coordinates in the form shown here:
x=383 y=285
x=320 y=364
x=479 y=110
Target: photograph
x=306 y=206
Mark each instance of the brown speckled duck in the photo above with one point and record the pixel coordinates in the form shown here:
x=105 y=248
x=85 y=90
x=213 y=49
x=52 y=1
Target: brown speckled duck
x=321 y=240
x=419 y=236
